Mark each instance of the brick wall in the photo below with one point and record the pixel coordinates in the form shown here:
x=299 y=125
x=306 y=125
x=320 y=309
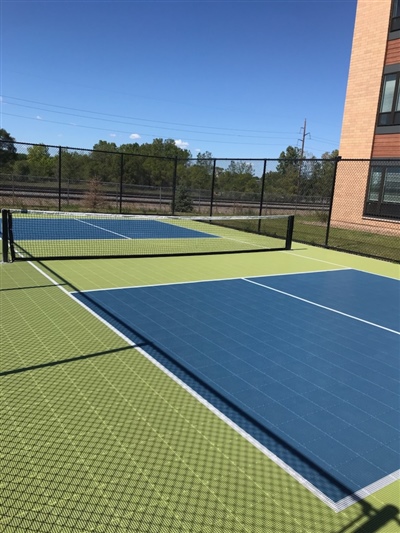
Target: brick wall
x=393 y=52
x=370 y=52
x=365 y=75
x=387 y=145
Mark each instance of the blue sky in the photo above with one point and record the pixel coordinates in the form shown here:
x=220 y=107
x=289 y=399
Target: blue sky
x=235 y=78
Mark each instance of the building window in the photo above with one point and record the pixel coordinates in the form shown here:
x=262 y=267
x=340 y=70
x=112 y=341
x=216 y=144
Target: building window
x=383 y=195
x=389 y=112
x=395 y=23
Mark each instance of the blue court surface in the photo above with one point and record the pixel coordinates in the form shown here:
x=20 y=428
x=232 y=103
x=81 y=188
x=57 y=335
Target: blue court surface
x=306 y=364
x=26 y=229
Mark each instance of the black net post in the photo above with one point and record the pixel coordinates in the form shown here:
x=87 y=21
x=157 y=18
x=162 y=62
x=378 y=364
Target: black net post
x=289 y=233
x=4 y=234
x=11 y=235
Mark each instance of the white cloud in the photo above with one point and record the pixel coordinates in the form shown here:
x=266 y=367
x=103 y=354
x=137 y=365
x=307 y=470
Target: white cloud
x=181 y=144
x=113 y=134
x=134 y=136
x=39 y=117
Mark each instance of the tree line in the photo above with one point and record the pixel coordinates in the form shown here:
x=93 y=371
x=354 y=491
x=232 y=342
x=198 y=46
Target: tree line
x=159 y=163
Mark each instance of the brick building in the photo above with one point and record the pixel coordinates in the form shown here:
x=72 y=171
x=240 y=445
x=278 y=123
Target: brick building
x=367 y=194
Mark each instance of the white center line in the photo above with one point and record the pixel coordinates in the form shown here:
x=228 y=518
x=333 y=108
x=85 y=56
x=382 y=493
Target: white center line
x=103 y=229
x=322 y=306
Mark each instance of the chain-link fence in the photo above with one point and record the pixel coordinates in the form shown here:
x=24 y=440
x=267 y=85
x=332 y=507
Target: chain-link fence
x=365 y=208
x=351 y=205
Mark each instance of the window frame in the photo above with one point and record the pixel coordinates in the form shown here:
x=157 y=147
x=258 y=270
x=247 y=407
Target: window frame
x=379 y=208
x=394 y=114
x=395 y=17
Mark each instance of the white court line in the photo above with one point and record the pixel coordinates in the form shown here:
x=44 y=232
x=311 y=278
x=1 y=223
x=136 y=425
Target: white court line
x=322 y=306
x=314 y=258
x=368 y=490
x=103 y=229
x=210 y=280
x=130 y=238
x=337 y=264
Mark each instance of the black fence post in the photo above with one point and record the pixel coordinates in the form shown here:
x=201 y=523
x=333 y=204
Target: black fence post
x=121 y=180
x=328 y=227
x=174 y=178
x=262 y=193
x=212 y=188
x=59 y=177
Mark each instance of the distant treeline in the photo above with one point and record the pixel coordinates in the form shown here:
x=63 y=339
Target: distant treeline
x=163 y=164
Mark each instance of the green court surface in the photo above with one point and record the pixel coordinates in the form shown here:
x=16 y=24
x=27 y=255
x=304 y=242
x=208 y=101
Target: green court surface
x=97 y=438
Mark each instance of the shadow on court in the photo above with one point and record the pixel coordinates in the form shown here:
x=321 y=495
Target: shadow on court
x=50 y=364
x=377 y=518
x=29 y=288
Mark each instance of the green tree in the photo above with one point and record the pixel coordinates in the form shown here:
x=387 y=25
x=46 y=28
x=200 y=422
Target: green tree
x=159 y=166
x=199 y=173
x=289 y=171
x=8 y=152
x=133 y=172
x=199 y=177
x=205 y=159
x=239 y=177
x=93 y=197
x=39 y=160
x=183 y=200
x=21 y=166
x=323 y=174
x=74 y=166
x=274 y=186
x=289 y=160
x=104 y=164
x=165 y=148
x=105 y=146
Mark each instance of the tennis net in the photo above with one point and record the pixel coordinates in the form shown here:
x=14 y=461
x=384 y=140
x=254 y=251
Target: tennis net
x=62 y=235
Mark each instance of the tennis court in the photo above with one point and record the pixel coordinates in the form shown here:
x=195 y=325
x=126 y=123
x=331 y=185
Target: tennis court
x=241 y=392
x=78 y=228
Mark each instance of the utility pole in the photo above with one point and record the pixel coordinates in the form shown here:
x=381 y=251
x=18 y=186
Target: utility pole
x=303 y=139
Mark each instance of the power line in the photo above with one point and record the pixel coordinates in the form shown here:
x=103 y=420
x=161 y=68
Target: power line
x=145 y=125
x=141 y=119
x=143 y=135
